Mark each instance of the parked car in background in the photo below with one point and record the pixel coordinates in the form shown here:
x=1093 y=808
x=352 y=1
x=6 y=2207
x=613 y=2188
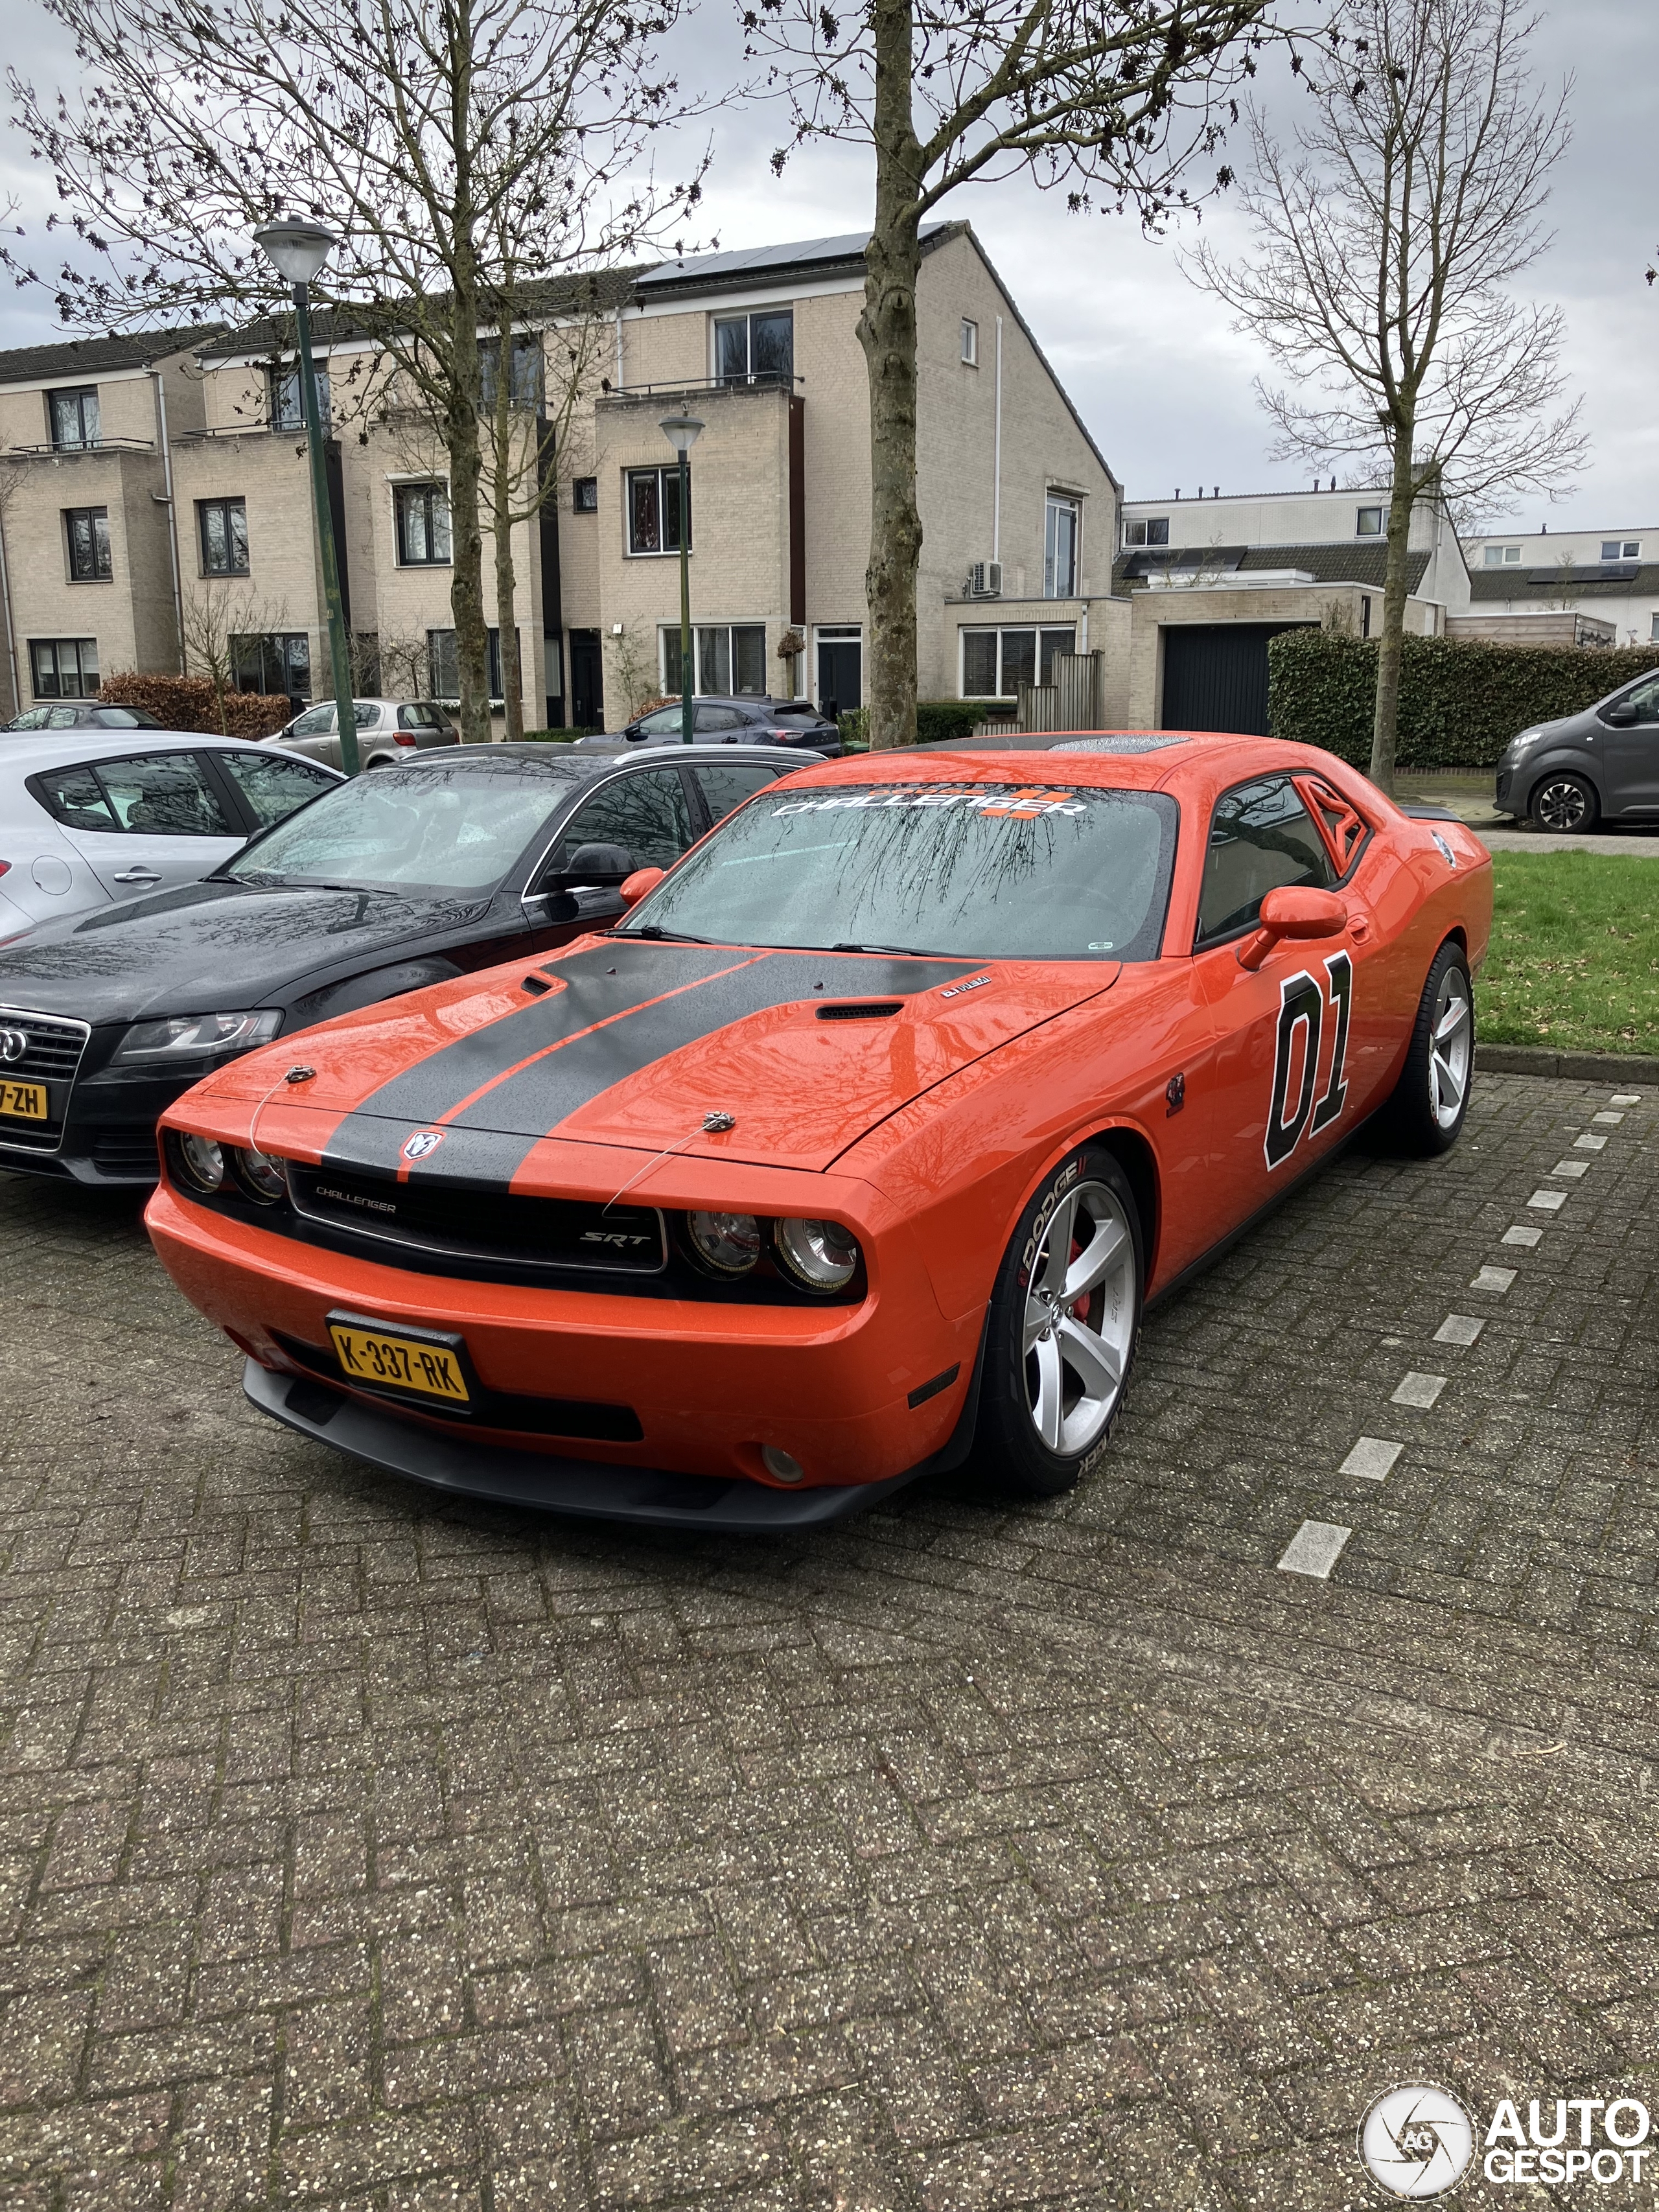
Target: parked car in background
x=83 y=714
x=412 y=876
x=387 y=730
x=731 y=721
x=89 y=818
x=1601 y=763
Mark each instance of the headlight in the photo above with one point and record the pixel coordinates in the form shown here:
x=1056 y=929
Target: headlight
x=203 y=1163
x=729 y=1242
x=197 y=1037
x=820 y=1254
x=261 y=1176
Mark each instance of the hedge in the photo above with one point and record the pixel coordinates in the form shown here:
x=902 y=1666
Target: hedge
x=1460 y=699
x=189 y=703
x=937 y=720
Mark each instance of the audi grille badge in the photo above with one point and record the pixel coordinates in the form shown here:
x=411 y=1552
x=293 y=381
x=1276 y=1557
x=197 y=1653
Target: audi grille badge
x=14 y=1043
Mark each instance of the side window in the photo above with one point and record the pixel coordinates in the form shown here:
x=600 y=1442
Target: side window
x=74 y=797
x=164 y=795
x=724 y=788
x=314 y=723
x=1645 y=700
x=273 y=784
x=1262 y=837
x=646 y=813
x=712 y=719
x=662 y=721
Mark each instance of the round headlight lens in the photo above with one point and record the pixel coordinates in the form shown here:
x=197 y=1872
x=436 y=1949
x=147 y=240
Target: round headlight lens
x=728 y=1242
x=820 y=1254
x=203 y=1162
x=263 y=1176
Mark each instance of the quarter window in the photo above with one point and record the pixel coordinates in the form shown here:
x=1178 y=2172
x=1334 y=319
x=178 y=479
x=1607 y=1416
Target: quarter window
x=73 y=417
x=1262 y=837
x=1063 y=527
x=88 y=532
x=755 y=348
x=222 y=524
x=1147 y=530
x=64 y=667
x=286 y=400
x=1368 y=522
x=423 y=512
x=729 y=659
x=274 y=784
x=654 y=511
x=996 y=662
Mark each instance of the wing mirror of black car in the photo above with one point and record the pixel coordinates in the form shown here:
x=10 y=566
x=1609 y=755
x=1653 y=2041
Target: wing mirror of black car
x=611 y=862
x=1621 y=714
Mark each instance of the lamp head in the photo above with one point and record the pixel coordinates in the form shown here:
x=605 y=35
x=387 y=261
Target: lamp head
x=682 y=431
x=297 y=249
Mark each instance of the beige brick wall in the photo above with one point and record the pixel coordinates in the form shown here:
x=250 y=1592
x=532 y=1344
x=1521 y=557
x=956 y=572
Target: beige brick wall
x=282 y=589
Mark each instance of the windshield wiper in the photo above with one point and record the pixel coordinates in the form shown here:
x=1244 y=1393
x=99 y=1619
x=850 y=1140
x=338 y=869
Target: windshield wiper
x=656 y=929
x=908 y=951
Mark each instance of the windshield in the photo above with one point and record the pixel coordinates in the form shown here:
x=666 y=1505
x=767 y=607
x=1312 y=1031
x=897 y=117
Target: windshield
x=450 y=829
x=978 y=871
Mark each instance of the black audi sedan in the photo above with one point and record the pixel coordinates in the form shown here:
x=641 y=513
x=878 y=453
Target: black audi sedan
x=379 y=886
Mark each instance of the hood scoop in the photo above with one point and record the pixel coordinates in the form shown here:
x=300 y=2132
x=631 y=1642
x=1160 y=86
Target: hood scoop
x=868 y=1010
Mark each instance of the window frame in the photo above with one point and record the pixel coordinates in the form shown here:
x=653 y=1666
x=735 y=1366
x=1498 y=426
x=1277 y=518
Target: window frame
x=1624 y=548
x=1055 y=504
x=749 y=373
x=1145 y=524
x=103 y=563
x=664 y=552
x=452 y=696
x=1289 y=777
x=668 y=638
x=282 y=376
x=81 y=646
x=217 y=785
x=584 y=494
x=1379 y=527
x=80 y=394
x=1037 y=631
x=431 y=492
x=226 y=505
x=969 y=343
x=275 y=650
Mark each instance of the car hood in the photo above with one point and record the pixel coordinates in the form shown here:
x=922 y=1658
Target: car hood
x=780 y=1059
x=208 y=947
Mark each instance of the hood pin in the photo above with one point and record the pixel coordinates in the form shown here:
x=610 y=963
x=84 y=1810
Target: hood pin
x=714 y=1124
x=300 y=1075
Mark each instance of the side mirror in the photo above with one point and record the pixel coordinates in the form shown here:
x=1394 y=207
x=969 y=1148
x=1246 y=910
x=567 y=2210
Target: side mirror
x=1621 y=714
x=1289 y=912
x=597 y=860
x=642 y=881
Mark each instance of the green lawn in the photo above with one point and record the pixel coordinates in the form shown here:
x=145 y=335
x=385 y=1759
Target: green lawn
x=1574 y=953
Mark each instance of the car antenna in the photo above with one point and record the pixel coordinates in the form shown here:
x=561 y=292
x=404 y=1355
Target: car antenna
x=713 y=1124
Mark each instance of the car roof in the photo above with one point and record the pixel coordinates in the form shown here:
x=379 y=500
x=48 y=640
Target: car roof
x=1124 y=760
x=566 y=760
x=38 y=749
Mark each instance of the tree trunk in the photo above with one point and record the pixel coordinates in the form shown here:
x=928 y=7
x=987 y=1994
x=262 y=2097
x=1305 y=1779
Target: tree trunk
x=506 y=627
x=1386 y=722
x=887 y=332
x=466 y=536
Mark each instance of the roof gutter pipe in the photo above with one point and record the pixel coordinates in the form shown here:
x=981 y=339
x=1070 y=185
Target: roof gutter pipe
x=172 y=514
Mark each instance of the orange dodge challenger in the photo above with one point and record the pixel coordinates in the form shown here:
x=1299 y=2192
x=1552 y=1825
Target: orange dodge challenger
x=856 y=1150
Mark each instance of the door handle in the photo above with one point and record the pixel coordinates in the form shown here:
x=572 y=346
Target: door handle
x=1359 y=927
x=138 y=876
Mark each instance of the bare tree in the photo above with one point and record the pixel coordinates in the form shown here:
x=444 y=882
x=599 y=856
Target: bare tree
x=427 y=131
x=215 y=616
x=1388 y=238
x=1105 y=99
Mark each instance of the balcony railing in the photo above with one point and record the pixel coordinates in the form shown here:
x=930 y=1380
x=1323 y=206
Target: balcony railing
x=685 y=387
x=90 y=446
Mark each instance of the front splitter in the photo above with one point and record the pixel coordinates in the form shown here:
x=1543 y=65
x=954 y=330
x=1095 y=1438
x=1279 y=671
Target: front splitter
x=594 y=1490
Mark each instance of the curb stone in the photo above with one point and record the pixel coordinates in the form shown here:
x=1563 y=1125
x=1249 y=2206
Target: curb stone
x=1584 y=1066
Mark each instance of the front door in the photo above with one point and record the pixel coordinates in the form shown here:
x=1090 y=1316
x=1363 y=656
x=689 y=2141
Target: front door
x=840 y=675
x=1633 y=754
x=587 y=680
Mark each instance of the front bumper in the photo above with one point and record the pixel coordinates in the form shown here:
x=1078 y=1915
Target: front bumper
x=109 y=1134
x=652 y=1497
x=1502 y=801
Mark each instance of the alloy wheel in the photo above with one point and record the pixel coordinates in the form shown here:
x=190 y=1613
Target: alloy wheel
x=1451 y=1048
x=1561 y=806
x=1079 y=1319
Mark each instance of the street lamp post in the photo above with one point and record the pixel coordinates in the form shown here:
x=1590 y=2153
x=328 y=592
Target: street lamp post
x=682 y=432
x=298 y=250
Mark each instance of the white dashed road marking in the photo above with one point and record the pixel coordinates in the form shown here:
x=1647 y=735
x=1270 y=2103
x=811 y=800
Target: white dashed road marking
x=1372 y=1458
x=1549 y=1201
x=1458 y=1329
x=1420 y=1390
x=1519 y=1234
x=1494 y=1279
x=1315 y=1549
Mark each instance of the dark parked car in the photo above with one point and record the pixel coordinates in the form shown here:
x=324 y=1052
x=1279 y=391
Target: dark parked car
x=83 y=714
x=732 y=722
x=1601 y=763
x=380 y=886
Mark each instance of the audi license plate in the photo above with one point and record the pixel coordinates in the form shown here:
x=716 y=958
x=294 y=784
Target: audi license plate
x=388 y=1359
x=24 y=1102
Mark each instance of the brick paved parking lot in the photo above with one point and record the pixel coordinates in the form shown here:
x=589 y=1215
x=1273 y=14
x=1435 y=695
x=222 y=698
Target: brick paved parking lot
x=365 y=1851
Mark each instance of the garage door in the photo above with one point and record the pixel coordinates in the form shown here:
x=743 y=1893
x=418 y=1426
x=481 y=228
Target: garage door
x=1215 y=675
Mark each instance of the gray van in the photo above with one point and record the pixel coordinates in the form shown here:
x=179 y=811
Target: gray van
x=1602 y=762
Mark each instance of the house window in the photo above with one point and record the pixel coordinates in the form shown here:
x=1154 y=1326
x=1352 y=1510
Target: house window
x=996 y=662
x=1062 y=526
x=1621 y=549
x=64 y=667
x=526 y=371
x=755 y=348
x=88 y=532
x=729 y=659
x=276 y=662
x=422 y=512
x=443 y=669
x=286 y=409
x=1148 y=530
x=970 y=342
x=1502 y=556
x=1654 y=631
x=585 y=495
x=654 y=511
x=73 y=417
x=1367 y=523
x=221 y=524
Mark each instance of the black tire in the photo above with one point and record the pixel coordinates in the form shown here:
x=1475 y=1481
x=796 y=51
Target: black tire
x=1421 y=1117
x=1563 y=803
x=1011 y=1453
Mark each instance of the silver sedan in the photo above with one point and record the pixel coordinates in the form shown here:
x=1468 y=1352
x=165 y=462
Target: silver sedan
x=89 y=817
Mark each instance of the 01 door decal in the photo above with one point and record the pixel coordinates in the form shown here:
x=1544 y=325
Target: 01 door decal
x=1302 y=1005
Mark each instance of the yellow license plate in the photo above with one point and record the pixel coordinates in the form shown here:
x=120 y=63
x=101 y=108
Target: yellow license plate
x=26 y=1101
x=384 y=1360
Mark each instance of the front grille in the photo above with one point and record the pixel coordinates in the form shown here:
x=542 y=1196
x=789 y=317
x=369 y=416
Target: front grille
x=52 y=1049
x=466 y=1223
x=125 y=1148
x=491 y=1409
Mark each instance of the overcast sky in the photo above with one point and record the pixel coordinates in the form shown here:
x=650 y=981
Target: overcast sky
x=1163 y=383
